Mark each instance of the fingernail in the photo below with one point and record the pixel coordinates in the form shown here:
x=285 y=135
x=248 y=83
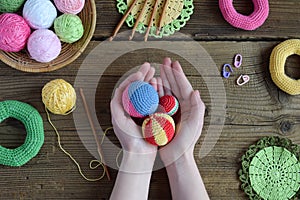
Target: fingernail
x=197 y=93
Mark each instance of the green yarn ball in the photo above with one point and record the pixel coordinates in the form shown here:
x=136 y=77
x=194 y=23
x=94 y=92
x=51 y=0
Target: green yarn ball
x=9 y=6
x=69 y=28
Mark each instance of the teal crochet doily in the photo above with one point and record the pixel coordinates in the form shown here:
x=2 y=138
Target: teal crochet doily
x=270 y=169
x=168 y=29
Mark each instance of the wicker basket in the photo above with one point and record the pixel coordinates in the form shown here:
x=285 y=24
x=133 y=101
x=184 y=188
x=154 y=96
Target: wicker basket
x=22 y=61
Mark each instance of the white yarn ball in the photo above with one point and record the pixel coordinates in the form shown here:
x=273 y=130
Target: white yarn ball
x=39 y=14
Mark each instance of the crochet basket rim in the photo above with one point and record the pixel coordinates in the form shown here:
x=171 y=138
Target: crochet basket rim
x=69 y=53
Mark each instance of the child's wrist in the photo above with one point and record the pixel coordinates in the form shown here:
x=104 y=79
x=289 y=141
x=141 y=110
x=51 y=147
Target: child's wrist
x=137 y=162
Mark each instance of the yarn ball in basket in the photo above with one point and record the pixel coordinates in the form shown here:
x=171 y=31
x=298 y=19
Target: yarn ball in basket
x=39 y=14
x=59 y=97
x=43 y=45
x=14 y=32
x=69 y=6
x=140 y=99
x=10 y=6
x=69 y=28
x=168 y=104
x=158 y=129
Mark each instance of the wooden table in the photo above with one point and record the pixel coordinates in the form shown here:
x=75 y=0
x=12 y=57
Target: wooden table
x=255 y=110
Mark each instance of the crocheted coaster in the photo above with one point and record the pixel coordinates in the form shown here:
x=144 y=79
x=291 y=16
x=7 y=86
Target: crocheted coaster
x=277 y=61
x=270 y=169
x=177 y=13
x=33 y=123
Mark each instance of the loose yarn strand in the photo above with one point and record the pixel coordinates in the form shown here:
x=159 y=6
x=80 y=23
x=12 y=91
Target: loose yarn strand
x=73 y=159
x=121 y=150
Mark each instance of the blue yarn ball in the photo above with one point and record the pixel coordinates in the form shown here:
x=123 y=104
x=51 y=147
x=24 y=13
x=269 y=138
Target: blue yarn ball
x=140 y=99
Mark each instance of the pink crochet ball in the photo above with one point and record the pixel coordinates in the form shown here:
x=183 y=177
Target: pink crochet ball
x=14 y=32
x=140 y=99
x=43 y=45
x=69 y=6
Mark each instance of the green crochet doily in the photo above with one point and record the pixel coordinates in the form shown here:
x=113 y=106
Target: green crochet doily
x=270 y=169
x=167 y=29
x=33 y=123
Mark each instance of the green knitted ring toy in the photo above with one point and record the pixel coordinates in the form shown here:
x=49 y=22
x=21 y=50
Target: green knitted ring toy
x=33 y=123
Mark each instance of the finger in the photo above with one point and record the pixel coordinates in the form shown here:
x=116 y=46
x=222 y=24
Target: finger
x=172 y=81
x=197 y=108
x=165 y=82
x=153 y=82
x=133 y=77
x=116 y=107
x=150 y=74
x=144 y=69
x=160 y=87
x=183 y=83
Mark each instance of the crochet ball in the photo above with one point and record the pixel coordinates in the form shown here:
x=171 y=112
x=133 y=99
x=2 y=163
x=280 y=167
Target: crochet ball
x=68 y=27
x=168 y=104
x=158 y=129
x=14 y=32
x=59 y=97
x=43 y=45
x=39 y=13
x=69 y=6
x=140 y=99
x=10 y=5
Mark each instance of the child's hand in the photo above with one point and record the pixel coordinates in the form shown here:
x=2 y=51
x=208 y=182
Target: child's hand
x=130 y=134
x=192 y=108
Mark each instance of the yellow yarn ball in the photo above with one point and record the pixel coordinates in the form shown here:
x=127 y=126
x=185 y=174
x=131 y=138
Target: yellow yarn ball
x=59 y=97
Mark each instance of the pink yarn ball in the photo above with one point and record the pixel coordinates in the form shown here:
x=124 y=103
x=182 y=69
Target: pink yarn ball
x=14 y=32
x=43 y=45
x=69 y=6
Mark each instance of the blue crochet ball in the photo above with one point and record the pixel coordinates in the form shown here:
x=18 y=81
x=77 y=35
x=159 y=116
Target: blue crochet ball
x=140 y=99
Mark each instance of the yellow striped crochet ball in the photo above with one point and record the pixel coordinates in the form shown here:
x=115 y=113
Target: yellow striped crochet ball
x=158 y=129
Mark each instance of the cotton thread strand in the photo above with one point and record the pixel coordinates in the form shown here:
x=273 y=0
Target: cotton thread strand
x=73 y=159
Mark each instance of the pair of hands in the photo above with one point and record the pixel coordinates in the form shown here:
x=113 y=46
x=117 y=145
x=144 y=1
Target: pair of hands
x=172 y=80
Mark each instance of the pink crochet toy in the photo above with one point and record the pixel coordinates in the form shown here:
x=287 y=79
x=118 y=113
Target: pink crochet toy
x=251 y=22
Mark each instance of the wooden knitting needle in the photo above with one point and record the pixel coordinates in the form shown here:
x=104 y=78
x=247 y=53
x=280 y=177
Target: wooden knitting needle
x=151 y=19
x=138 y=19
x=94 y=133
x=122 y=20
x=163 y=13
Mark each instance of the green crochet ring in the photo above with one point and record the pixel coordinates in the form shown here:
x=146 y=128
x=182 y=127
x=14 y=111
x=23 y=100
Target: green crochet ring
x=33 y=123
x=270 y=169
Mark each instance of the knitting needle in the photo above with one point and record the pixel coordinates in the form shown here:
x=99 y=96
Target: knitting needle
x=151 y=20
x=94 y=133
x=163 y=13
x=122 y=20
x=138 y=19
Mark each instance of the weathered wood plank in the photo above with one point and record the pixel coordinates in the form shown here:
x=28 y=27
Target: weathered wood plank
x=255 y=110
x=207 y=22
